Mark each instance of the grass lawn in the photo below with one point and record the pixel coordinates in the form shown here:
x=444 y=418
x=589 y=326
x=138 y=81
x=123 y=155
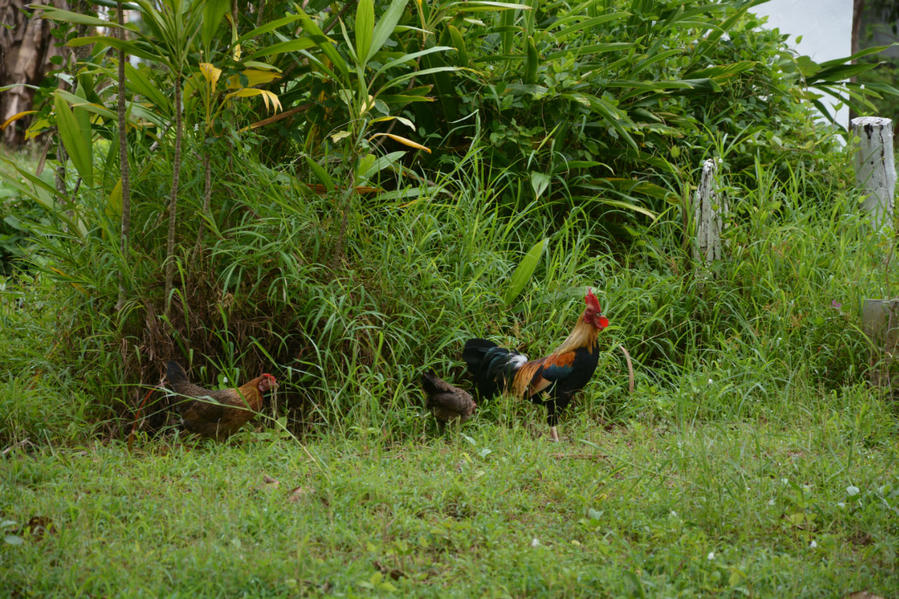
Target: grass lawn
x=804 y=506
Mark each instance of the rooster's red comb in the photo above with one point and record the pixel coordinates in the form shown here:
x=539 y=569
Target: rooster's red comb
x=591 y=300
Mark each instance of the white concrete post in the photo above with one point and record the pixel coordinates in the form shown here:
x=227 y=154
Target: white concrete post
x=708 y=215
x=875 y=167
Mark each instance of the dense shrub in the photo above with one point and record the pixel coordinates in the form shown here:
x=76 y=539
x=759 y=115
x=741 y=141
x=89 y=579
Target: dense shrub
x=345 y=266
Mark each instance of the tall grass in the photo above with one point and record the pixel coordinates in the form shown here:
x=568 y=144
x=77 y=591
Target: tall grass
x=775 y=321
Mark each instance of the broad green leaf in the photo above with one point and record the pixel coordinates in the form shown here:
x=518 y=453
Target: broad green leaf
x=114 y=201
x=539 y=182
x=376 y=166
x=214 y=12
x=524 y=271
x=459 y=43
x=268 y=27
x=365 y=27
x=384 y=28
x=76 y=141
x=252 y=77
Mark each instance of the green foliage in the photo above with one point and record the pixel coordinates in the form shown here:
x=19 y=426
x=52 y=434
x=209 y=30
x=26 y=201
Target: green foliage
x=354 y=262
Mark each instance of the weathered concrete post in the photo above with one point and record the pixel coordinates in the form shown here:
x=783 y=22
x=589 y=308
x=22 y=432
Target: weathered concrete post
x=875 y=168
x=880 y=322
x=875 y=173
x=708 y=215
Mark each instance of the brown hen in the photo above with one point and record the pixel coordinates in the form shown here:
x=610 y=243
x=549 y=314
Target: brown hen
x=217 y=414
x=445 y=401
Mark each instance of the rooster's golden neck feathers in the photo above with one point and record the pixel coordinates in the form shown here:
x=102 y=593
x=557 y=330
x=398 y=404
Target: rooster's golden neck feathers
x=583 y=334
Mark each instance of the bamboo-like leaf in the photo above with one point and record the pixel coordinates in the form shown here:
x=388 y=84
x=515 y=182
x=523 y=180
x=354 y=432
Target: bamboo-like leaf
x=76 y=141
x=58 y=14
x=295 y=45
x=324 y=43
x=524 y=271
x=385 y=27
x=590 y=50
x=137 y=81
x=530 y=71
x=576 y=25
x=269 y=27
x=403 y=78
x=365 y=28
x=611 y=114
x=411 y=56
x=491 y=6
x=130 y=47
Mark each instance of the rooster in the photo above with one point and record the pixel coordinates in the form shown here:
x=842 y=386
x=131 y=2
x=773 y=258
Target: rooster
x=220 y=413
x=551 y=381
x=445 y=401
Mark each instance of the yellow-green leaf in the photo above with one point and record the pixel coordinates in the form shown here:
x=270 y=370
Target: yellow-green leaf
x=16 y=117
x=271 y=99
x=403 y=140
x=524 y=271
x=210 y=72
x=114 y=201
x=253 y=77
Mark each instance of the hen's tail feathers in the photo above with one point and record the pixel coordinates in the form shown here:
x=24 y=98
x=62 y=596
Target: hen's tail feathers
x=433 y=384
x=175 y=374
x=492 y=367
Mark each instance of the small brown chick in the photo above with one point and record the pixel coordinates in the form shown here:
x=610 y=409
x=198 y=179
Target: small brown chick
x=445 y=401
x=219 y=413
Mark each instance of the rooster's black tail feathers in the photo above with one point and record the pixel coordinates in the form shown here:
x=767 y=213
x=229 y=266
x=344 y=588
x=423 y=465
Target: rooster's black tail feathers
x=492 y=367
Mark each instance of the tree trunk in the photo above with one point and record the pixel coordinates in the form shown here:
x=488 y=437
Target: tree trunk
x=123 y=157
x=26 y=48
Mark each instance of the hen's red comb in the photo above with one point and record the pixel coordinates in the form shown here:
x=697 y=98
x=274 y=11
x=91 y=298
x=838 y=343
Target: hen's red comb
x=591 y=300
